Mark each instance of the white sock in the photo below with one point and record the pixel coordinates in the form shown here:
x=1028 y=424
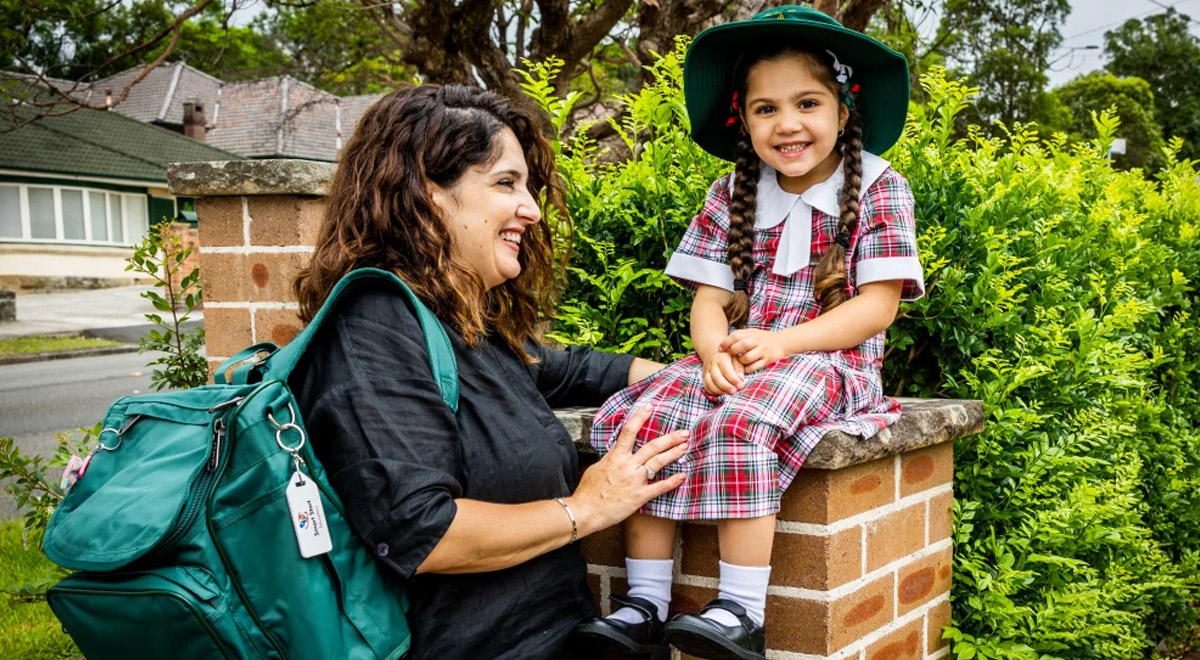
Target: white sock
x=649 y=579
x=746 y=586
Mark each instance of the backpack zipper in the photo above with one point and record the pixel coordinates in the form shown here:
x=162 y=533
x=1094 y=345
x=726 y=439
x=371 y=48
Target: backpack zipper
x=196 y=499
x=212 y=533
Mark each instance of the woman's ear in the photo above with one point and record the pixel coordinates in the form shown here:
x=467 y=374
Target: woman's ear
x=443 y=198
x=843 y=116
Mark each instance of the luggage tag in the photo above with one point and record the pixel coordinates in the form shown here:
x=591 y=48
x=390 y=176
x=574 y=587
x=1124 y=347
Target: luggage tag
x=76 y=467
x=308 y=516
x=303 y=496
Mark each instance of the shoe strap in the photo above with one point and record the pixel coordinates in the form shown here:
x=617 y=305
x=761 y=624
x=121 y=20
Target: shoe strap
x=733 y=608
x=644 y=607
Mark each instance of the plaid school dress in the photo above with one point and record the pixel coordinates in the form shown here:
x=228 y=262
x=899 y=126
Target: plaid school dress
x=747 y=447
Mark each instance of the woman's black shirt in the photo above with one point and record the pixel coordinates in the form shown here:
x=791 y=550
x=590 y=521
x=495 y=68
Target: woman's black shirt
x=398 y=458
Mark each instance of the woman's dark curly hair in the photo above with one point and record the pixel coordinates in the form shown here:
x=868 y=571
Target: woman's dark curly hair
x=379 y=212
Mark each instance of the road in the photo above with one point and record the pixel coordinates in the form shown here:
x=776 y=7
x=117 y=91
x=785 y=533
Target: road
x=39 y=399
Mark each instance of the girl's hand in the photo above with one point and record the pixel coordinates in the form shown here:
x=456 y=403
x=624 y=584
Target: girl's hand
x=620 y=483
x=722 y=374
x=755 y=349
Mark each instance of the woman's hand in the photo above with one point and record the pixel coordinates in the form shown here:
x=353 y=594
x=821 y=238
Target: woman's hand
x=620 y=483
x=722 y=373
x=755 y=349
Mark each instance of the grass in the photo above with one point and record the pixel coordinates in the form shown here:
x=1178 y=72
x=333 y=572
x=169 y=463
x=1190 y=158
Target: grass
x=28 y=629
x=43 y=343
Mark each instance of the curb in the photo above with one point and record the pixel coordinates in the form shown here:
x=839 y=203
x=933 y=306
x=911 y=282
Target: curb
x=23 y=358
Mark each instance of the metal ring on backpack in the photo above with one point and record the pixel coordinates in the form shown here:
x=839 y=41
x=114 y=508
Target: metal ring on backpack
x=277 y=425
x=100 y=442
x=279 y=438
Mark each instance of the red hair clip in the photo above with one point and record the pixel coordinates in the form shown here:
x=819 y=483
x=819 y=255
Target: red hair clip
x=854 y=88
x=733 y=110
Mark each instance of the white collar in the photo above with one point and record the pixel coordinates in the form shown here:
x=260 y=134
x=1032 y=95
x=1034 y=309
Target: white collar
x=776 y=204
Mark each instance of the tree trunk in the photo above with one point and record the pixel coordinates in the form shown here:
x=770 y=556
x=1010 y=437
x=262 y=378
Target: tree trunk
x=660 y=22
x=856 y=14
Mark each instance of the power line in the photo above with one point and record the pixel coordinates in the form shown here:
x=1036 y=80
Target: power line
x=1129 y=18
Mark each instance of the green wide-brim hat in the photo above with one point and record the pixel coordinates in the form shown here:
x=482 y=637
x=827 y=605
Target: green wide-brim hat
x=715 y=55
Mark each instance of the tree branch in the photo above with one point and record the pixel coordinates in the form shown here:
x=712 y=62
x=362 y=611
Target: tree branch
x=173 y=29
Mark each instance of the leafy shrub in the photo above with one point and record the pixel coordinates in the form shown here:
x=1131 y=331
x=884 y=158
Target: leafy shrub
x=1061 y=293
x=161 y=257
x=629 y=216
x=1063 y=297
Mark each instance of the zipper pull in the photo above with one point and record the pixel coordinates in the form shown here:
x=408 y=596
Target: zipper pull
x=225 y=404
x=128 y=423
x=218 y=435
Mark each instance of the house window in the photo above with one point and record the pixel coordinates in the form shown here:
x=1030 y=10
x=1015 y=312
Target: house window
x=71 y=215
x=99 y=208
x=41 y=213
x=10 y=212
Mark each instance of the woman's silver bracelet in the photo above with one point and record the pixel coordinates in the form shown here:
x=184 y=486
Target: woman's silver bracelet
x=574 y=525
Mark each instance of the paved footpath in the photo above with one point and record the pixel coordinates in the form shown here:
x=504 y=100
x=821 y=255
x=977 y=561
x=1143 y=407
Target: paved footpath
x=79 y=310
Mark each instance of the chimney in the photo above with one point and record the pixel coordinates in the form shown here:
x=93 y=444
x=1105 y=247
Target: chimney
x=193 y=120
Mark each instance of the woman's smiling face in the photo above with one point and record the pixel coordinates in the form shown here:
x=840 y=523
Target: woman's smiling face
x=488 y=210
x=793 y=118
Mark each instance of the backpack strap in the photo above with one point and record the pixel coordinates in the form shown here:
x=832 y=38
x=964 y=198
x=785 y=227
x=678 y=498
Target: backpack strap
x=248 y=359
x=279 y=364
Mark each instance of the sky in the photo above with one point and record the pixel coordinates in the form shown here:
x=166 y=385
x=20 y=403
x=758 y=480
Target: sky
x=1090 y=19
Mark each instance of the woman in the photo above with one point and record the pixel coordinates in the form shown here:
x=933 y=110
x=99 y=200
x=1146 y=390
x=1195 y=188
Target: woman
x=475 y=512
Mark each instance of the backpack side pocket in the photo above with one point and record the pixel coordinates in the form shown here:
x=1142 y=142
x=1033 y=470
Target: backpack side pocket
x=174 y=612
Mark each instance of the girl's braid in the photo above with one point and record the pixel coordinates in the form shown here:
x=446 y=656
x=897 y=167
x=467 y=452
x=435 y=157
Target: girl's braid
x=831 y=271
x=742 y=206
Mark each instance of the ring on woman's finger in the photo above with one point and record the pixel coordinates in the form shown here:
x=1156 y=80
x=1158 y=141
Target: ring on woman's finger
x=649 y=473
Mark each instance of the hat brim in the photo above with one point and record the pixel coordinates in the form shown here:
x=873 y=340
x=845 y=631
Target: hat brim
x=881 y=72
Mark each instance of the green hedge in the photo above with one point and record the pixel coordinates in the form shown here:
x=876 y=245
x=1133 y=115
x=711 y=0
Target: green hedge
x=1062 y=293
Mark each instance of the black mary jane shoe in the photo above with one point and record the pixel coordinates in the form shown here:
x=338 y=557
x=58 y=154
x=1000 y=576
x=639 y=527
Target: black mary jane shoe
x=705 y=638
x=644 y=638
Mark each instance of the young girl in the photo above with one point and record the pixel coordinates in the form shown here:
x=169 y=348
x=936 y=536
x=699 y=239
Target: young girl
x=805 y=252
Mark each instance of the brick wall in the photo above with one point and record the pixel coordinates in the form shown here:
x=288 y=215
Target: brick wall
x=253 y=249
x=862 y=549
x=861 y=561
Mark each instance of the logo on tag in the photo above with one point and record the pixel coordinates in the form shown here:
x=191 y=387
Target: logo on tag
x=303 y=522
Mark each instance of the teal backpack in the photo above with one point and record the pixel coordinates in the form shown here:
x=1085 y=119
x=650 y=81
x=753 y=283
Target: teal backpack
x=186 y=526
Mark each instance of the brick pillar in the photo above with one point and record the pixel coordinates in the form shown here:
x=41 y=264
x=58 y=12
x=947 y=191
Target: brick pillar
x=257 y=223
x=862 y=557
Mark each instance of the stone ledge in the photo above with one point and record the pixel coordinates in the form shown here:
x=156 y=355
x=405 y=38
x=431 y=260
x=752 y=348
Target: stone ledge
x=923 y=422
x=250 y=177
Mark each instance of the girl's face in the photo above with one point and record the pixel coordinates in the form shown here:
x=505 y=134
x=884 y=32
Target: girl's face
x=488 y=210
x=793 y=119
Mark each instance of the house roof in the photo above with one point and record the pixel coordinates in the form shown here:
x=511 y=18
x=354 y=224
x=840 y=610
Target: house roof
x=278 y=117
x=90 y=142
x=159 y=97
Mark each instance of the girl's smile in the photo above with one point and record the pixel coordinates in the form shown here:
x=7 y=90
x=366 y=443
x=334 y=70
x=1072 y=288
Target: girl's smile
x=793 y=149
